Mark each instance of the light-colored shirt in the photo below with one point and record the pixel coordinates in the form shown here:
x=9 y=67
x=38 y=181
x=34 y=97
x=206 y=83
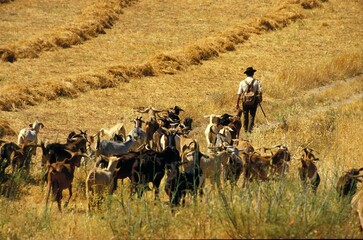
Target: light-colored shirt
x=257 y=88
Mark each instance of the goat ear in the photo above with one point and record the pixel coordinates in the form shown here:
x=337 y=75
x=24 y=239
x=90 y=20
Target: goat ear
x=360 y=169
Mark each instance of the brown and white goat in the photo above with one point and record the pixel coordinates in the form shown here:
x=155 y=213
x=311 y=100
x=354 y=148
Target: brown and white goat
x=347 y=184
x=212 y=129
x=151 y=124
x=308 y=171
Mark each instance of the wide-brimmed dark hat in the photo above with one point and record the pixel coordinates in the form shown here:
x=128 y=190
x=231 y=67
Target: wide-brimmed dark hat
x=250 y=70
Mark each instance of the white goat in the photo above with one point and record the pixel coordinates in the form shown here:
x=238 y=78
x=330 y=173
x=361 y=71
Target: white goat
x=99 y=181
x=29 y=135
x=111 y=148
x=224 y=136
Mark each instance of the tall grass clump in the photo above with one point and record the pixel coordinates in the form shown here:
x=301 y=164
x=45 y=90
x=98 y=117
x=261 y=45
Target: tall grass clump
x=283 y=209
x=293 y=79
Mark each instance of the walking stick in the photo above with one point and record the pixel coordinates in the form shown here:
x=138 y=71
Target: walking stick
x=264 y=114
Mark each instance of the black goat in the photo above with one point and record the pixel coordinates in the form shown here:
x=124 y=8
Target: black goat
x=150 y=167
x=179 y=183
x=347 y=184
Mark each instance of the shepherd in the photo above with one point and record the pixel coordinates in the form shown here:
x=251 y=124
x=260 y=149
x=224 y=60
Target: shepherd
x=250 y=92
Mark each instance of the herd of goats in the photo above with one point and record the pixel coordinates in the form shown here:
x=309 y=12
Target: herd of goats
x=161 y=147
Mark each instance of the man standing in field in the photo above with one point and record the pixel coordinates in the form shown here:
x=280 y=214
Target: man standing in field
x=250 y=92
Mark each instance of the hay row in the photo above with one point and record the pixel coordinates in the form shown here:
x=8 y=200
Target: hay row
x=5 y=1
x=92 y=22
x=5 y=129
x=14 y=97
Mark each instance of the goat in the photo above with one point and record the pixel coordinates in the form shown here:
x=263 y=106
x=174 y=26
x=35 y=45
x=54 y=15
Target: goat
x=236 y=124
x=347 y=184
x=246 y=146
x=164 y=123
x=234 y=167
x=100 y=180
x=178 y=183
x=357 y=205
x=151 y=124
x=112 y=148
x=185 y=144
x=56 y=152
x=212 y=129
x=211 y=165
x=224 y=137
x=138 y=133
x=21 y=158
x=308 y=171
x=117 y=131
x=263 y=168
x=124 y=165
x=60 y=176
x=30 y=134
x=173 y=114
x=150 y=167
x=6 y=155
x=186 y=125
x=169 y=138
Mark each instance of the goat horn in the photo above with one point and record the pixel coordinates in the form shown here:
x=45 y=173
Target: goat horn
x=356 y=176
x=156 y=110
x=145 y=110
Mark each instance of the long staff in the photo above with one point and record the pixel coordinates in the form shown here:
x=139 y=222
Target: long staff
x=264 y=114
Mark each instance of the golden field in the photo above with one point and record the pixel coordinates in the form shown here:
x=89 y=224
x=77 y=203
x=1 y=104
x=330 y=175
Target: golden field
x=86 y=64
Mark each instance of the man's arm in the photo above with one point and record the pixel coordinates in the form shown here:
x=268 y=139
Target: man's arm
x=259 y=91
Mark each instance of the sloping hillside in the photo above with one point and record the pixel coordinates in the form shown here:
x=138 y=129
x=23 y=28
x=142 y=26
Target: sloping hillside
x=87 y=64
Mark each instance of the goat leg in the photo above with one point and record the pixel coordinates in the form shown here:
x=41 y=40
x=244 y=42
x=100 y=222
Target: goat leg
x=70 y=195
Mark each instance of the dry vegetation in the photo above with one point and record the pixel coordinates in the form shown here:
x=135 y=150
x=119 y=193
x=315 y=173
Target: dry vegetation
x=86 y=64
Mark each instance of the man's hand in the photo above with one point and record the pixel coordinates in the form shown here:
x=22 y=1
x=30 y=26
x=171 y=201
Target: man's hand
x=259 y=97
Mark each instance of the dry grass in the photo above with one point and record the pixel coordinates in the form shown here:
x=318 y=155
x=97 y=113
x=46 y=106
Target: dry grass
x=309 y=58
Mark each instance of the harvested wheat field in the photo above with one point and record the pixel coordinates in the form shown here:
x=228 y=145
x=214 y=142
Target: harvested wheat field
x=86 y=65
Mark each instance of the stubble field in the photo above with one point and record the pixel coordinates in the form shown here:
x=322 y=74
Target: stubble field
x=87 y=64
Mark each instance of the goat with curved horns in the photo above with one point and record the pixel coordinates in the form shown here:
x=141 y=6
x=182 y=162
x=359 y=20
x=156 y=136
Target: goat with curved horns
x=138 y=133
x=308 y=171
